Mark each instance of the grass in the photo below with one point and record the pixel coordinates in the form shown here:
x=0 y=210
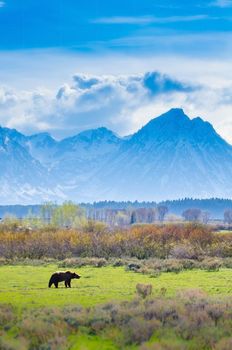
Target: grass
x=224 y=231
x=26 y=286
x=88 y=342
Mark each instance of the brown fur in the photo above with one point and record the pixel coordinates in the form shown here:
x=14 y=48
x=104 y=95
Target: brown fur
x=62 y=276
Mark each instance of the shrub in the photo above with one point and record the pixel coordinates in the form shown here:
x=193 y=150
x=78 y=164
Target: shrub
x=163 y=291
x=6 y=345
x=172 y=266
x=133 y=267
x=164 y=311
x=78 y=262
x=211 y=264
x=144 y=290
x=97 y=240
x=7 y=316
x=224 y=344
x=117 y=263
x=190 y=320
x=138 y=331
x=215 y=312
x=183 y=251
x=164 y=345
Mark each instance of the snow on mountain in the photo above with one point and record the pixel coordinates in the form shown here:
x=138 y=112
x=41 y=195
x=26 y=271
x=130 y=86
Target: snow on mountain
x=79 y=161
x=170 y=157
x=23 y=178
x=42 y=147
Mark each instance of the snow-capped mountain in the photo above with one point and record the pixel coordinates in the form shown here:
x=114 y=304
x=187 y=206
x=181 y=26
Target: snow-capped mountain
x=170 y=157
x=22 y=177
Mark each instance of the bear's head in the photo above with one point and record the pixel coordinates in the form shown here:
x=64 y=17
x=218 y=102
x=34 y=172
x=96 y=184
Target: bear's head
x=75 y=275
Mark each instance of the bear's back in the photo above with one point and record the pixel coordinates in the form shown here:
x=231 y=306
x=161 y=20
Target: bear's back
x=63 y=275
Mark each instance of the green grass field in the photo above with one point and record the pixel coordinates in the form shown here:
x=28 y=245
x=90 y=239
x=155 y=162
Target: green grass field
x=26 y=286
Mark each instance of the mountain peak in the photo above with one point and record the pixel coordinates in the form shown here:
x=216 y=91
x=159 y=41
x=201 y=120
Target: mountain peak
x=89 y=138
x=96 y=133
x=174 y=114
x=166 y=125
x=41 y=136
x=175 y=126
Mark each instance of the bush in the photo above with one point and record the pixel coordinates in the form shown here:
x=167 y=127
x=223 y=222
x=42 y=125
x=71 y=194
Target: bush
x=190 y=320
x=44 y=329
x=164 y=345
x=138 y=331
x=144 y=290
x=183 y=251
x=6 y=345
x=133 y=267
x=211 y=264
x=224 y=344
x=97 y=240
x=78 y=262
x=7 y=316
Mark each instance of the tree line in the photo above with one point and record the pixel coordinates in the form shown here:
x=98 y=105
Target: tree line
x=71 y=215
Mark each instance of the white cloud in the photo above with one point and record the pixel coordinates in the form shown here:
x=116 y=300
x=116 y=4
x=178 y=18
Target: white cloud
x=222 y=3
x=2 y=3
x=148 y=19
x=89 y=102
x=122 y=103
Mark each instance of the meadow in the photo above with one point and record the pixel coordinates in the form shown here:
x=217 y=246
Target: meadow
x=27 y=286
x=81 y=317
x=165 y=287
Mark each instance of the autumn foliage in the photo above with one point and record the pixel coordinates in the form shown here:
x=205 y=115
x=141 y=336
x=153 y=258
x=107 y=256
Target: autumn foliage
x=97 y=240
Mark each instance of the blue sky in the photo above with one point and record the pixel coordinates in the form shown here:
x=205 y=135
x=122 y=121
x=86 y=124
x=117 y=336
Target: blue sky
x=47 y=45
x=117 y=24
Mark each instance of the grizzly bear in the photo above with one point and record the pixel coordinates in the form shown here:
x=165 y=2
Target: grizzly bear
x=62 y=276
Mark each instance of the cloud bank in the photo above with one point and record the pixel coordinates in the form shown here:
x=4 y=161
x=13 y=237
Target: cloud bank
x=121 y=103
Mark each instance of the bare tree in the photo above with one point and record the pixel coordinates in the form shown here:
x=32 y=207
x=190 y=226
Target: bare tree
x=228 y=216
x=205 y=217
x=133 y=219
x=161 y=212
x=193 y=214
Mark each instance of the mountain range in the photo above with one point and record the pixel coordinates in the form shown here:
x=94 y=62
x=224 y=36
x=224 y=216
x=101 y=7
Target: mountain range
x=171 y=157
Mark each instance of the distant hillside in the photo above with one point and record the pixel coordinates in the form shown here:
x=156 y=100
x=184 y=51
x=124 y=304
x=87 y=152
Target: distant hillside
x=214 y=206
x=169 y=158
x=19 y=211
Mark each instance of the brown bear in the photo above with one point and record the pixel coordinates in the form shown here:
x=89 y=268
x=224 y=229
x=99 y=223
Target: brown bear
x=62 y=276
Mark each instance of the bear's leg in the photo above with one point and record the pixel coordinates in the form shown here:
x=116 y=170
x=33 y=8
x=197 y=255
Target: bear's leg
x=69 y=283
x=66 y=284
x=50 y=282
x=56 y=284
